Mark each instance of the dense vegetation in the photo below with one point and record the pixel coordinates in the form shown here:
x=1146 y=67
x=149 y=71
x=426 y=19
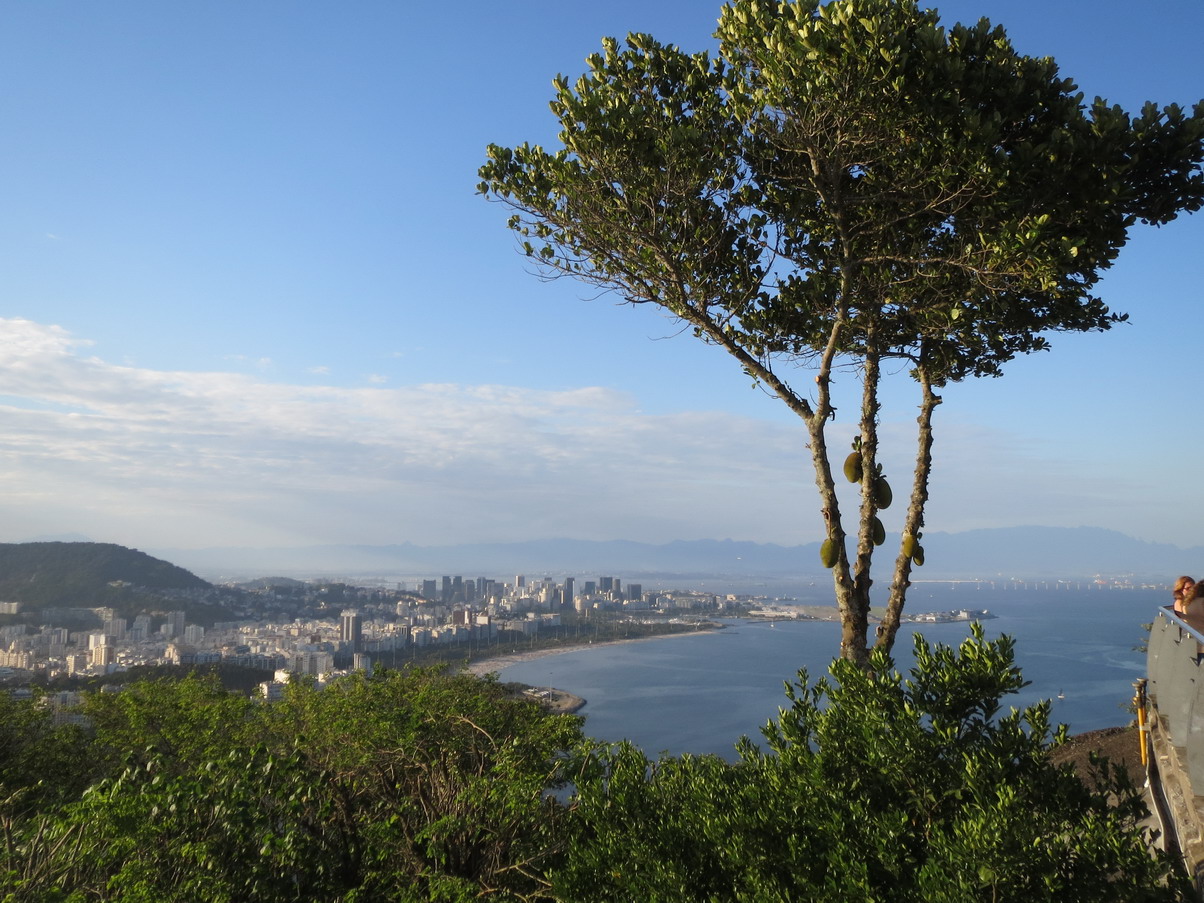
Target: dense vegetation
x=234 y=678
x=428 y=785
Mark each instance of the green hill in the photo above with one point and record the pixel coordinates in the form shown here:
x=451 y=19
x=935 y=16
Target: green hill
x=91 y=574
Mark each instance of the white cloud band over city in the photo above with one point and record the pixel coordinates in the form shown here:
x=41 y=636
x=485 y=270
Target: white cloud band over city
x=428 y=463
x=160 y=459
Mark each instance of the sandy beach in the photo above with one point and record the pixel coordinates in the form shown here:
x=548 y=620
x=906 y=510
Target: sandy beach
x=498 y=663
x=556 y=700
x=785 y=613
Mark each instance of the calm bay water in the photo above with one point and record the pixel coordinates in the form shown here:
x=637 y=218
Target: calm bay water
x=700 y=693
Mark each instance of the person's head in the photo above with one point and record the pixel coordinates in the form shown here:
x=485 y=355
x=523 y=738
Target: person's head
x=1193 y=592
x=1183 y=586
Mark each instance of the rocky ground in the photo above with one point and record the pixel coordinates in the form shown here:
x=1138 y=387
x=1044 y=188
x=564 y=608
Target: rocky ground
x=558 y=702
x=1119 y=744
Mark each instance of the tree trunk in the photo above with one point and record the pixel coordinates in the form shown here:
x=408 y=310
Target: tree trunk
x=914 y=520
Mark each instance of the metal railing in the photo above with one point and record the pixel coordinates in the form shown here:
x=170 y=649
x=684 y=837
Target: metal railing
x=1176 y=686
x=1175 y=695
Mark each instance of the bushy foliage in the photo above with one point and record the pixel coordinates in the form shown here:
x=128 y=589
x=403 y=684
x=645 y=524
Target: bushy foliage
x=408 y=785
x=873 y=787
x=424 y=785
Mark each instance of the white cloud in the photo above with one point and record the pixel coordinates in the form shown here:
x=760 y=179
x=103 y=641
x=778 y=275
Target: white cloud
x=159 y=458
x=235 y=459
x=258 y=363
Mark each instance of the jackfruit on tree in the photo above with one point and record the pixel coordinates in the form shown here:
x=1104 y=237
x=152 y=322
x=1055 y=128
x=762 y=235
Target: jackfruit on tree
x=852 y=467
x=879 y=532
x=882 y=494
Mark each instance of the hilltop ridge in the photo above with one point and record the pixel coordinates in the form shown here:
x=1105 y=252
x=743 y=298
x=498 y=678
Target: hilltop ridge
x=43 y=575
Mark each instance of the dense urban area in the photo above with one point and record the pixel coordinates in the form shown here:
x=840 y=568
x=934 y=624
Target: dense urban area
x=289 y=627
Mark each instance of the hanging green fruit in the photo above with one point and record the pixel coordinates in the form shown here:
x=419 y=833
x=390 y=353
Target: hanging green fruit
x=852 y=467
x=829 y=553
x=882 y=494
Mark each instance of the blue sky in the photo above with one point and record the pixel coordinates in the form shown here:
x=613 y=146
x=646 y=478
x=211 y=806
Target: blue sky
x=248 y=296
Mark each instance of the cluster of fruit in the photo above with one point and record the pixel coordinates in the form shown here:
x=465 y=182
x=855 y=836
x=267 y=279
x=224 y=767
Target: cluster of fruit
x=854 y=471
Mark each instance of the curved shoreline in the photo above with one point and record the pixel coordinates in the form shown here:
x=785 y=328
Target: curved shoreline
x=561 y=701
x=499 y=663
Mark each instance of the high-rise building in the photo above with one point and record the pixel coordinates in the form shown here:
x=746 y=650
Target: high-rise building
x=310 y=661
x=175 y=624
x=635 y=591
x=566 y=598
x=429 y=589
x=351 y=630
x=104 y=654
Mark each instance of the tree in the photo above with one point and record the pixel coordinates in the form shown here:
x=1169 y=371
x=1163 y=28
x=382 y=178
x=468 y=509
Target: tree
x=848 y=185
x=875 y=787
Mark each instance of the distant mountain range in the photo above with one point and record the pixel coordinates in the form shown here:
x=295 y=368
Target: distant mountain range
x=1021 y=552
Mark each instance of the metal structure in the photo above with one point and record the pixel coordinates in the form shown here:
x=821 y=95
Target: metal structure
x=1170 y=705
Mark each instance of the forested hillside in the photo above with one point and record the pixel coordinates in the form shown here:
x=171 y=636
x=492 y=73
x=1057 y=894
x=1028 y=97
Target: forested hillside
x=86 y=574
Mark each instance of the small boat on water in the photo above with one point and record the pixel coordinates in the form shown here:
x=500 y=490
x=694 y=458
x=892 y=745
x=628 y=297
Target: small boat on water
x=1061 y=694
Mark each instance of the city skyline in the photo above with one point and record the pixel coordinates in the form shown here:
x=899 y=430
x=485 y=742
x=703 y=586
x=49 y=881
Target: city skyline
x=250 y=298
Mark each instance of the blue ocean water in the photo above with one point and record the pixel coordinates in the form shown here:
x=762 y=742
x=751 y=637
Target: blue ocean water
x=700 y=693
